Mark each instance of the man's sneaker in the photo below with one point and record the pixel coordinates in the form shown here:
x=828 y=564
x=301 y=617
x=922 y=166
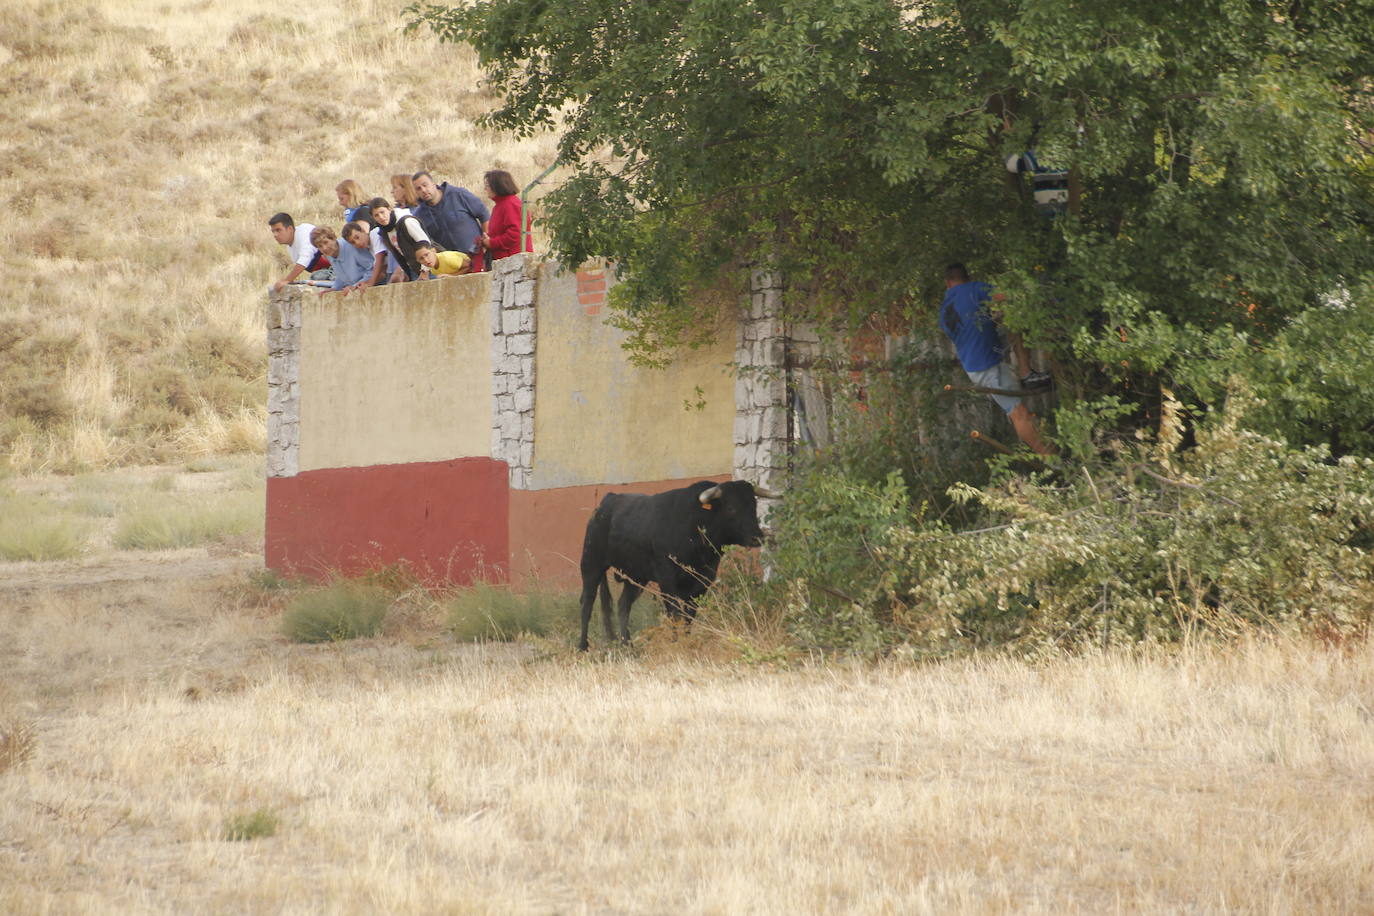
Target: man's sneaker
x=1036 y=380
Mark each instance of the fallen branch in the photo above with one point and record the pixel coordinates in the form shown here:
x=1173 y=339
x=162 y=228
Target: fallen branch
x=991 y=442
x=1005 y=449
x=981 y=389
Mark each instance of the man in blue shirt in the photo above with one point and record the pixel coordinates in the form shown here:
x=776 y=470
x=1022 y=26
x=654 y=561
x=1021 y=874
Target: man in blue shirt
x=350 y=255
x=453 y=217
x=965 y=317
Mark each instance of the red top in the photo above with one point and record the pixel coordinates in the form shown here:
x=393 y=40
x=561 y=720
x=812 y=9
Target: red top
x=504 y=228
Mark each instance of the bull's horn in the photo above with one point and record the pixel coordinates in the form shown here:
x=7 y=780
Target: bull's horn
x=710 y=494
x=766 y=494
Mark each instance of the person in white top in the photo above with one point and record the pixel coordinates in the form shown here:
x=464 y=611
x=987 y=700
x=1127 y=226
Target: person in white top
x=304 y=255
x=384 y=263
x=400 y=232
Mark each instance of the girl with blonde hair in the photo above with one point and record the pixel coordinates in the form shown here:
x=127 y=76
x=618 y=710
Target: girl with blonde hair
x=351 y=198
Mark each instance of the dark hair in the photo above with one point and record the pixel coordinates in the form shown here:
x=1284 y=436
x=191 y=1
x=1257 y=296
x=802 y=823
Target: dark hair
x=376 y=202
x=419 y=245
x=956 y=272
x=283 y=219
x=356 y=226
x=500 y=182
x=424 y=172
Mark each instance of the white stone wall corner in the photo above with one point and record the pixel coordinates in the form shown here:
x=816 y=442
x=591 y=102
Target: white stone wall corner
x=283 y=319
x=514 y=343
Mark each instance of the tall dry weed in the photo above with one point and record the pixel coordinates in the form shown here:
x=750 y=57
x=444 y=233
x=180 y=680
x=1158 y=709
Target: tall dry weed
x=143 y=144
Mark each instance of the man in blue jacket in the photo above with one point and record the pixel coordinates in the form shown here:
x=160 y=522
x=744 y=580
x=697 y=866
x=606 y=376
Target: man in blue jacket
x=453 y=217
x=965 y=317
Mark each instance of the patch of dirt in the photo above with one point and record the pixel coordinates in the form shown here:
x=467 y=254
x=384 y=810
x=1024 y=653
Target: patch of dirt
x=123 y=568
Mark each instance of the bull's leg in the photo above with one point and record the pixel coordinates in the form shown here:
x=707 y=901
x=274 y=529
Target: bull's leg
x=628 y=594
x=590 y=584
x=606 y=608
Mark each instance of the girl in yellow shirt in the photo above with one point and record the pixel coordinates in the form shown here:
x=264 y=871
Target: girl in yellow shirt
x=442 y=263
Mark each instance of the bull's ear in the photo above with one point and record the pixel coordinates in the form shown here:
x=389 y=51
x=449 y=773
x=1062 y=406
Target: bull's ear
x=707 y=506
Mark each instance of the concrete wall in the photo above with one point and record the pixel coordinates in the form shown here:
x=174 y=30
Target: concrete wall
x=599 y=419
x=468 y=427
x=397 y=374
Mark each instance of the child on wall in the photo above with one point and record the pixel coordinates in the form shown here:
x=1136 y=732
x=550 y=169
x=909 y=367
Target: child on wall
x=352 y=260
x=442 y=263
x=400 y=233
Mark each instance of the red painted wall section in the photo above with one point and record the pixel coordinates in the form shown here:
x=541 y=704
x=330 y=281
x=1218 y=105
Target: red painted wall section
x=448 y=521
x=547 y=527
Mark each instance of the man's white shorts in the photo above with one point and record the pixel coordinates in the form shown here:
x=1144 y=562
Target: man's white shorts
x=998 y=376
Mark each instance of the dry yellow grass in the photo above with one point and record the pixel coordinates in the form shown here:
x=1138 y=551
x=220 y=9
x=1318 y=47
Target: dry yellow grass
x=407 y=774
x=143 y=144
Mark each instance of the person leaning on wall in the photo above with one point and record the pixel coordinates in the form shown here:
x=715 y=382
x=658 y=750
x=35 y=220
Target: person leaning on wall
x=502 y=238
x=400 y=232
x=440 y=263
x=454 y=217
x=305 y=257
x=350 y=255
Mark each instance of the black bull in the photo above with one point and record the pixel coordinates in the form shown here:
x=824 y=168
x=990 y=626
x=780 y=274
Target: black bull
x=672 y=538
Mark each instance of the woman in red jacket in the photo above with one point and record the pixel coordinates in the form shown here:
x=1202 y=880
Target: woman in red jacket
x=502 y=238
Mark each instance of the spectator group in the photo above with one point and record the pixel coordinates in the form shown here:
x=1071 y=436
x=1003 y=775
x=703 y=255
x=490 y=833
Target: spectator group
x=425 y=230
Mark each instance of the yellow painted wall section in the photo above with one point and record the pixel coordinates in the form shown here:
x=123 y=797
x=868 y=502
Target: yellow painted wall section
x=597 y=419
x=396 y=375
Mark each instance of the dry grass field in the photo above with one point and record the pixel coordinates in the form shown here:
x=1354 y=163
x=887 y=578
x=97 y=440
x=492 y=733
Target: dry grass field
x=143 y=145
x=167 y=750
x=164 y=748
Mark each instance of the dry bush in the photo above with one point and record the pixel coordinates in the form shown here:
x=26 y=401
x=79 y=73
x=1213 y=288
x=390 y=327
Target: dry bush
x=484 y=612
x=159 y=523
x=32 y=528
x=335 y=612
x=139 y=251
x=18 y=741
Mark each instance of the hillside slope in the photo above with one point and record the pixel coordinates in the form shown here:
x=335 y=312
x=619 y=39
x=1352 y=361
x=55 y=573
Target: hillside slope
x=143 y=144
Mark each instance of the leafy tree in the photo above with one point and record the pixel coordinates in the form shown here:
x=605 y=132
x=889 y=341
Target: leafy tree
x=1218 y=152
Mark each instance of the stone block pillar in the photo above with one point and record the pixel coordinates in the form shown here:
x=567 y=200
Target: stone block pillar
x=283 y=382
x=772 y=359
x=512 y=382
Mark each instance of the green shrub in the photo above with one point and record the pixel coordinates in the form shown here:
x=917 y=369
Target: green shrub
x=1148 y=542
x=343 y=610
x=830 y=531
x=162 y=523
x=32 y=528
x=485 y=612
x=251 y=825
